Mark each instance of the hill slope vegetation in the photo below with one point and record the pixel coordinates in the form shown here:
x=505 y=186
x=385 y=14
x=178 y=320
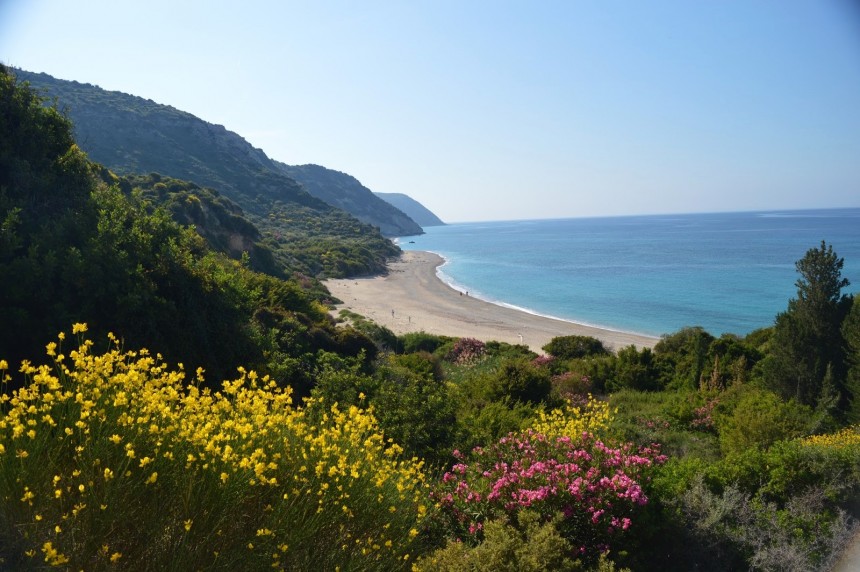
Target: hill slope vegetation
x=132 y=135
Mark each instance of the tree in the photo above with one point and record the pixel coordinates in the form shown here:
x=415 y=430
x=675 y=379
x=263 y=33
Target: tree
x=807 y=339
x=635 y=369
x=683 y=357
x=851 y=334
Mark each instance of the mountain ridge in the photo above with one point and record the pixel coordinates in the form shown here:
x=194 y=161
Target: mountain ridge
x=346 y=192
x=416 y=211
x=132 y=135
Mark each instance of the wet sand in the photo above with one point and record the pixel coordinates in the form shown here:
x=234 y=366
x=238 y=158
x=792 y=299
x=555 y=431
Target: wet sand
x=412 y=298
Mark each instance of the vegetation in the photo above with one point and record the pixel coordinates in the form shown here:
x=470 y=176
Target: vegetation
x=345 y=192
x=346 y=446
x=132 y=135
x=112 y=459
x=80 y=244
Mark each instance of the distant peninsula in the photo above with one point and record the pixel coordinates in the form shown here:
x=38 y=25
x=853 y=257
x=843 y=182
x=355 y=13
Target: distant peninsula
x=415 y=210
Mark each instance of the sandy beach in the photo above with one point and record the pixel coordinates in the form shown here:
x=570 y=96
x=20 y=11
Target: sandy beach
x=411 y=298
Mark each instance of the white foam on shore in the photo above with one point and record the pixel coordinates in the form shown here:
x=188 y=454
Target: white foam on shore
x=451 y=283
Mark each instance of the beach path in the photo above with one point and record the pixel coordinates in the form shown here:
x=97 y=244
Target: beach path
x=412 y=298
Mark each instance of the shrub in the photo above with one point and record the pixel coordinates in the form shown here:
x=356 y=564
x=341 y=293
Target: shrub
x=573 y=347
x=414 y=408
x=466 y=350
x=571 y=421
x=529 y=545
x=421 y=342
x=109 y=460
x=760 y=419
x=487 y=422
x=634 y=369
x=569 y=385
x=774 y=509
x=737 y=527
x=519 y=380
x=596 y=488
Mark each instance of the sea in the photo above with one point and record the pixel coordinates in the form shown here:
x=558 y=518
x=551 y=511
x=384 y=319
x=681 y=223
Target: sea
x=652 y=275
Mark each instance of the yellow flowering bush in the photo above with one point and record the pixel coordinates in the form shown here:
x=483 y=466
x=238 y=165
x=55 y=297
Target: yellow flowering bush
x=113 y=459
x=848 y=437
x=593 y=417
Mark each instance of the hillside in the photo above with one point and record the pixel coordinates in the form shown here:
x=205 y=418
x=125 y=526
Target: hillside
x=419 y=452
x=416 y=211
x=109 y=128
x=130 y=135
x=79 y=244
x=346 y=192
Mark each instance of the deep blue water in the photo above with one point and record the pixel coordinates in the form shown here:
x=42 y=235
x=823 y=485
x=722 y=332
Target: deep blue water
x=726 y=272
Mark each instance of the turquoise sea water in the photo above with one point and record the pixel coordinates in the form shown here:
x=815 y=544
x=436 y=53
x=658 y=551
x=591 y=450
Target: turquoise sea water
x=727 y=272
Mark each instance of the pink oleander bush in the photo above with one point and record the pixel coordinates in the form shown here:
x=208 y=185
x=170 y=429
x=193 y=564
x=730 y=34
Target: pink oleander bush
x=466 y=351
x=596 y=488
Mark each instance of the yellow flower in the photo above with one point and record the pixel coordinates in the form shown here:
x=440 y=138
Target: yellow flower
x=115 y=557
x=79 y=328
x=188 y=524
x=52 y=556
x=152 y=478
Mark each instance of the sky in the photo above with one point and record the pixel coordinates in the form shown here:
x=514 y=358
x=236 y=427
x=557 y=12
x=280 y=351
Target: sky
x=497 y=110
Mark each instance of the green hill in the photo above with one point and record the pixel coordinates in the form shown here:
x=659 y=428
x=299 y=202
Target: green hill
x=346 y=192
x=132 y=135
x=416 y=211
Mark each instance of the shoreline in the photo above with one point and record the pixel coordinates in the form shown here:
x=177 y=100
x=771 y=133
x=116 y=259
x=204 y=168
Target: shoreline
x=412 y=298
x=451 y=284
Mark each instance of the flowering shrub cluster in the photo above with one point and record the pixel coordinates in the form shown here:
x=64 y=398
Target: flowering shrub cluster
x=466 y=350
x=846 y=438
x=109 y=459
x=703 y=417
x=595 y=487
x=592 y=417
x=571 y=386
x=543 y=361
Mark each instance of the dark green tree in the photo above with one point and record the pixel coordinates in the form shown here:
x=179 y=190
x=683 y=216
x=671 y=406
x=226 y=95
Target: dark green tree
x=851 y=334
x=518 y=380
x=634 y=369
x=807 y=341
x=683 y=357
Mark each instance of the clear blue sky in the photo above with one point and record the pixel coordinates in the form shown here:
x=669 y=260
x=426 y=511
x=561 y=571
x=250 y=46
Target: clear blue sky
x=497 y=110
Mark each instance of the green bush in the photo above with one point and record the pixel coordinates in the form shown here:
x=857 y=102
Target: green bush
x=422 y=342
x=414 y=408
x=760 y=419
x=519 y=380
x=573 y=347
x=527 y=546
